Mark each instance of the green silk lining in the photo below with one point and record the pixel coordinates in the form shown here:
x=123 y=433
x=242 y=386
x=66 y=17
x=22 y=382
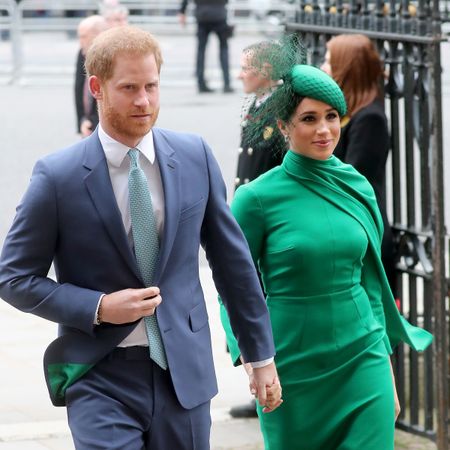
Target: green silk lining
x=63 y=375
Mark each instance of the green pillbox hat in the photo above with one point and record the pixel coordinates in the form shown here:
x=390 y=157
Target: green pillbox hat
x=309 y=81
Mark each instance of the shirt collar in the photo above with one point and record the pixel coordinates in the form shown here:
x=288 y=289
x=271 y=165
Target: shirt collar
x=115 y=151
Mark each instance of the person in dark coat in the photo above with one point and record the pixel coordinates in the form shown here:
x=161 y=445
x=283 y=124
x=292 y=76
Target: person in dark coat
x=211 y=17
x=262 y=145
x=353 y=61
x=86 y=106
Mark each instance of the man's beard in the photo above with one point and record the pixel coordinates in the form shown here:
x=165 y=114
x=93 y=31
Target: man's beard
x=126 y=126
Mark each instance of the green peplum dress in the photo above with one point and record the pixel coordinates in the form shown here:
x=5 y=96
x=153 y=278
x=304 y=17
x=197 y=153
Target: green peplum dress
x=314 y=232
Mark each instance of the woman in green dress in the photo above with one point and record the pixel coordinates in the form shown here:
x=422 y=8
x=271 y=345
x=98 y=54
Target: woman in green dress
x=314 y=230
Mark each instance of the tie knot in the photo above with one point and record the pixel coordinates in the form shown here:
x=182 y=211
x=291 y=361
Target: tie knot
x=133 y=153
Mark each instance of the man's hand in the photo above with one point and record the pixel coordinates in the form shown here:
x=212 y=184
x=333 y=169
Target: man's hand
x=273 y=397
x=129 y=305
x=265 y=386
x=182 y=19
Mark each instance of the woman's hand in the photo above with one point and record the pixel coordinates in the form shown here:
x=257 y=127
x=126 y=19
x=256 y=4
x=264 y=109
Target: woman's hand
x=397 y=403
x=396 y=400
x=273 y=396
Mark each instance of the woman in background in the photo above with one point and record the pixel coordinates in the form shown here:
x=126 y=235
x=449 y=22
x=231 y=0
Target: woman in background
x=354 y=63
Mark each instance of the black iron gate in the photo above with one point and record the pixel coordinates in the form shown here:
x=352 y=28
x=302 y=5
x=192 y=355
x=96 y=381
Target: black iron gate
x=408 y=36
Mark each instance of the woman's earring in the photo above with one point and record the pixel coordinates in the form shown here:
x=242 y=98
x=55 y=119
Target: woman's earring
x=286 y=138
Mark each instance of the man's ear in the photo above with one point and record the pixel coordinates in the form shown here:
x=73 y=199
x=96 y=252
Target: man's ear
x=266 y=70
x=95 y=86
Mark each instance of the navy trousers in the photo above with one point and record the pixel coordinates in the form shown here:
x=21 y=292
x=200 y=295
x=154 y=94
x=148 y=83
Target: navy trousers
x=128 y=402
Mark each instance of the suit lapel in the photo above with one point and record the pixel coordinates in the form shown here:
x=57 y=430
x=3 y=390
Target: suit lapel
x=170 y=176
x=98 y=184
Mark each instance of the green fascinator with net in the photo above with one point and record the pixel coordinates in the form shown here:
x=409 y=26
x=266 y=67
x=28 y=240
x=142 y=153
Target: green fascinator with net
x=271 y=60
x=309 y=81
x=284 y=60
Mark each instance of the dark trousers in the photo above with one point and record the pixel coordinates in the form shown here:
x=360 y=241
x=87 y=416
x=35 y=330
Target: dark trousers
x=222 y=31
x=128 y=402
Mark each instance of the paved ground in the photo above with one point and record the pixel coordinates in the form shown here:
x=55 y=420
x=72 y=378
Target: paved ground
x=36 y=117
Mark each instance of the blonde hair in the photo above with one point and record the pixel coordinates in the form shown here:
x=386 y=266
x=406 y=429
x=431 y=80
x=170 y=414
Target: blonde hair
x=107 y=46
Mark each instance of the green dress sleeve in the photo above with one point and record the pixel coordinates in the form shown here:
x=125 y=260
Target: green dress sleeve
x=373 y=288
x=247 y=210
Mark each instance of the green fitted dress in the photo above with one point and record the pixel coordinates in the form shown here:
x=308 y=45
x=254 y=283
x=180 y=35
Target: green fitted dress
x=314 y=231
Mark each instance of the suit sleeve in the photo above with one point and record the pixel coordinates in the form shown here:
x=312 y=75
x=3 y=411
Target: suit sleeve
x=247 y=210
x=27 y=256
x=234 y=272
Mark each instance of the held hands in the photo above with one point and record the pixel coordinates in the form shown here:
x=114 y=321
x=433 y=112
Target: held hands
x=129 y=305
x=265 y=386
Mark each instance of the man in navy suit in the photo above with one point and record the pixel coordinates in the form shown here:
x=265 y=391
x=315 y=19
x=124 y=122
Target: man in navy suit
x=76 y=214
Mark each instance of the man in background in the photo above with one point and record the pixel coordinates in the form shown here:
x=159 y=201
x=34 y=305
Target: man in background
x=114 y=13
x=211 y=17
x=86 y=106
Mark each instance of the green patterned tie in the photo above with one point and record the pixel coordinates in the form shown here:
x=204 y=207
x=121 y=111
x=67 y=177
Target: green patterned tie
x=146 y=245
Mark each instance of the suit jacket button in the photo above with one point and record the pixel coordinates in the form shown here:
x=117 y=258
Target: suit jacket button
x=246 y=180
x=237 y=180
x=240 y=150
x=250 y=151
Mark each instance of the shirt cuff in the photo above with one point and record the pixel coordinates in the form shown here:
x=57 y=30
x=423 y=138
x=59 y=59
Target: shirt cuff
x=263 y=363
x=96 y=310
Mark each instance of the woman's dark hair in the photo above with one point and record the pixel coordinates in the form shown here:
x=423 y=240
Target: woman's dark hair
x=285 y=101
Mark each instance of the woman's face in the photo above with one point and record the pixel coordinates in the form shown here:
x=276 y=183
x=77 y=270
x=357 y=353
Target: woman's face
x=313 y=130
x=326 y=66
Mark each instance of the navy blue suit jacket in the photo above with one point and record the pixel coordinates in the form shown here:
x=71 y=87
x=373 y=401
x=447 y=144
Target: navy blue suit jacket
x=69 y=216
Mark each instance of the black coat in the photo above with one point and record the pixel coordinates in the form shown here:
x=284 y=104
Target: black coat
x=208 y=10
x=260 y=151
